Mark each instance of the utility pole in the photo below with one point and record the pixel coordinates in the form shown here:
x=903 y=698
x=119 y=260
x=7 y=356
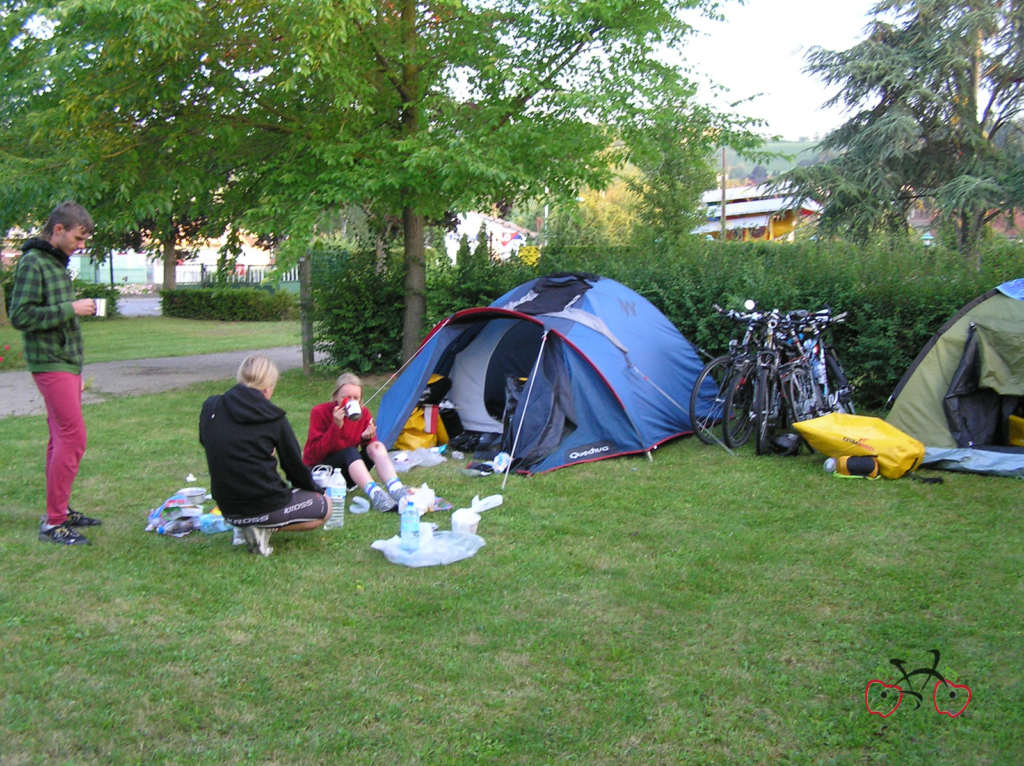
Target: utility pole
x=721 y=211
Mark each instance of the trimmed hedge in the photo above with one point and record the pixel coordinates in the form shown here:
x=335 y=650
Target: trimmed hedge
x=229 y=304
x=897 y=294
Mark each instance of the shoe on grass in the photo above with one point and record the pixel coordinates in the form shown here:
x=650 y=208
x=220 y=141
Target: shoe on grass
x=381 y=500
x=79 y=519
x=62 y=535
x=258 y=539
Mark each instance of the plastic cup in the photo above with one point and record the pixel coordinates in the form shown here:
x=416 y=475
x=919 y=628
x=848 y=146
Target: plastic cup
x=465 y=521
x=101 y=306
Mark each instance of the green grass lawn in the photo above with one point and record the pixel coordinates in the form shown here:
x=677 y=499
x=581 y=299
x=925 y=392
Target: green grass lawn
x=118 y=338
x=141 y=337
x=697 y=608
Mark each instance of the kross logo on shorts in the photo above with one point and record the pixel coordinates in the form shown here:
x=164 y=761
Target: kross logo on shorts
x=297 y=507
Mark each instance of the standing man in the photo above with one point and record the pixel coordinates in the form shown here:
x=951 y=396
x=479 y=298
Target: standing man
x=44 y=308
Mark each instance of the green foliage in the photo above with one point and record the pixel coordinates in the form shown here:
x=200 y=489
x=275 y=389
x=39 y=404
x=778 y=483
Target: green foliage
x=241 y=304
x=12 y=356
x=897 y=292
x=99 y=290
x=358 y=309
x=476 y=282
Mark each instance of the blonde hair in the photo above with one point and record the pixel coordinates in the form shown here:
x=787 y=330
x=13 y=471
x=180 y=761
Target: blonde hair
x=257 y=371
x=346 y=379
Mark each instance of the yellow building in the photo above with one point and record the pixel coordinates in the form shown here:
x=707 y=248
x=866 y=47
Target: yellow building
x=755 y=213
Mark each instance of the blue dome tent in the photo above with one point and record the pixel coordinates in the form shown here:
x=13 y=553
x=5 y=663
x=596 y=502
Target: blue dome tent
x=565 y=369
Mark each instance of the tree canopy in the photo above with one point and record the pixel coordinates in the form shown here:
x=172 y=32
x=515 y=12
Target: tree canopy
x=267 y=115
x=935 y=90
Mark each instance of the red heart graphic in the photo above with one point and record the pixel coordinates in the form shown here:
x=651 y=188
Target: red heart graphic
x=867 y=704
x=951 y=697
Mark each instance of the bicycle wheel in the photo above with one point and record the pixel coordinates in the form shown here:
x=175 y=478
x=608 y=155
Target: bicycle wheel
x=706 y=413
x=838 y=384
x=767 y=406
x=738 y=417
x=803 y=394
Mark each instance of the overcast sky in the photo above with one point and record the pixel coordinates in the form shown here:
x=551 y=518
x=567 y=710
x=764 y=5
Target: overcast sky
x=760 y=48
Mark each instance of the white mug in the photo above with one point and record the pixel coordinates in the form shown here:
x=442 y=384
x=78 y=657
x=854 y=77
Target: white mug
x=101 y=306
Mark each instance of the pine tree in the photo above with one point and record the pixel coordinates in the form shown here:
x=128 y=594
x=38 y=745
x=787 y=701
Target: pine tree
x=934 y=91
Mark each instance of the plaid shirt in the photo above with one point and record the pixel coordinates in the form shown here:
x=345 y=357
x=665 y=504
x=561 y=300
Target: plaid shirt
x=41 y=308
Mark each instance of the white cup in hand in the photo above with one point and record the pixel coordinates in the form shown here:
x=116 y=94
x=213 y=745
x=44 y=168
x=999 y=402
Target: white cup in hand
x=101 y=306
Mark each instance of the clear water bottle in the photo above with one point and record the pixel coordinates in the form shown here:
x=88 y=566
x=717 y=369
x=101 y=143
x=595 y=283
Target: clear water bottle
x=410 y=526
x=212 y=523
x=178 y=527
x=336 y=491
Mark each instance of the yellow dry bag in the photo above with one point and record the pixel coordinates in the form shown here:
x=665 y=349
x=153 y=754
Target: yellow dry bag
x=838 y=434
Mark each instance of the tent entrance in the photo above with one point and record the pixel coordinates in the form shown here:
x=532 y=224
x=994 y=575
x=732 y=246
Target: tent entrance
x=984 y=391
x=489 y=365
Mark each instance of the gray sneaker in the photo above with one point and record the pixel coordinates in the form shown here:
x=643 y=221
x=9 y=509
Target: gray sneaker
x=398 y=494
x=381 y=500
x=258 y=539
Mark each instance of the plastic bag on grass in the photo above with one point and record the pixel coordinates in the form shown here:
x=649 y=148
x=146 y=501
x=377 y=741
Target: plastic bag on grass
x=443 y=548
x=404 y=460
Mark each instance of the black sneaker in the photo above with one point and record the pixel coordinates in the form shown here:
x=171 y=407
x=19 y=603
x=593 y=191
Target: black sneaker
x=62 y=534
x=78 y=519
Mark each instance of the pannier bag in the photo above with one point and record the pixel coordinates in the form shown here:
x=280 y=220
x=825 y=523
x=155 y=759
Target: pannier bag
x=838 y=434
x=425 y=427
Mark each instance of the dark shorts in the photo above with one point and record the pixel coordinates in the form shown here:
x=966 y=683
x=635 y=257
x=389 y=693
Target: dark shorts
x=343 y=458
x=303 y=506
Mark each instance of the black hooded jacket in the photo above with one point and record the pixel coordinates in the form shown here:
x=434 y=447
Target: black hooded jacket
x=241 y=430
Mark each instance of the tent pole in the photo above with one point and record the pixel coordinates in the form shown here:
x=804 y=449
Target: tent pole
x=398 y=372
x=526 y=402
x=639 y=372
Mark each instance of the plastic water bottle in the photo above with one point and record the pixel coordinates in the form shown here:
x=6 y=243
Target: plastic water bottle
x=865 y=466
x=410 y=526
x=336 y=491
x=177 y=527
x=211 y=523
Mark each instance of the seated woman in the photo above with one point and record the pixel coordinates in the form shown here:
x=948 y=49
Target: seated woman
x=241 y=431
x=343 y=434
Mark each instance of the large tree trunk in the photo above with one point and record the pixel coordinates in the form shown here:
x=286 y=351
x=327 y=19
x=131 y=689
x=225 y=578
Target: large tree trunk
x=170 y=258
x=415 y=282
x=306 y=311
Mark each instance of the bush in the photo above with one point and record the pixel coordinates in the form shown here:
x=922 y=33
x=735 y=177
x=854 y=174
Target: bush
x=358 y=310
x=99 y=290
x=226 y=304
x=11 y=354
x=897 y=294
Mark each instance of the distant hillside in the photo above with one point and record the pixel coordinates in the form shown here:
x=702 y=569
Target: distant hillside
x=791 y=154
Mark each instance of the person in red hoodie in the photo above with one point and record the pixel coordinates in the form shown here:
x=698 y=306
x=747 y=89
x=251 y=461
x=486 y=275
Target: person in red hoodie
x=343 y=434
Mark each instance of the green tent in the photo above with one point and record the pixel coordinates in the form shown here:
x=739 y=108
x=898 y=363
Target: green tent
x=960 y=391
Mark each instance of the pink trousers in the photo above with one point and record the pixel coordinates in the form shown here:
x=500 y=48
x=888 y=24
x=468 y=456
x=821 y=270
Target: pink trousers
x=62 y=392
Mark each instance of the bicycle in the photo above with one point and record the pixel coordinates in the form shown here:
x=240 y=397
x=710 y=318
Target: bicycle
x=726 y=372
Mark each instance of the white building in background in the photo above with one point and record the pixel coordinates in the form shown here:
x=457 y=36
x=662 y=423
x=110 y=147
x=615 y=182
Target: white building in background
x=131 y=267
x=504 y=238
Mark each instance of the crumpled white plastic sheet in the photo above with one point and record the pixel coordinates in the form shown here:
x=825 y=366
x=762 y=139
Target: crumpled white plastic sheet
x=443 y=548
x=404 y=460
